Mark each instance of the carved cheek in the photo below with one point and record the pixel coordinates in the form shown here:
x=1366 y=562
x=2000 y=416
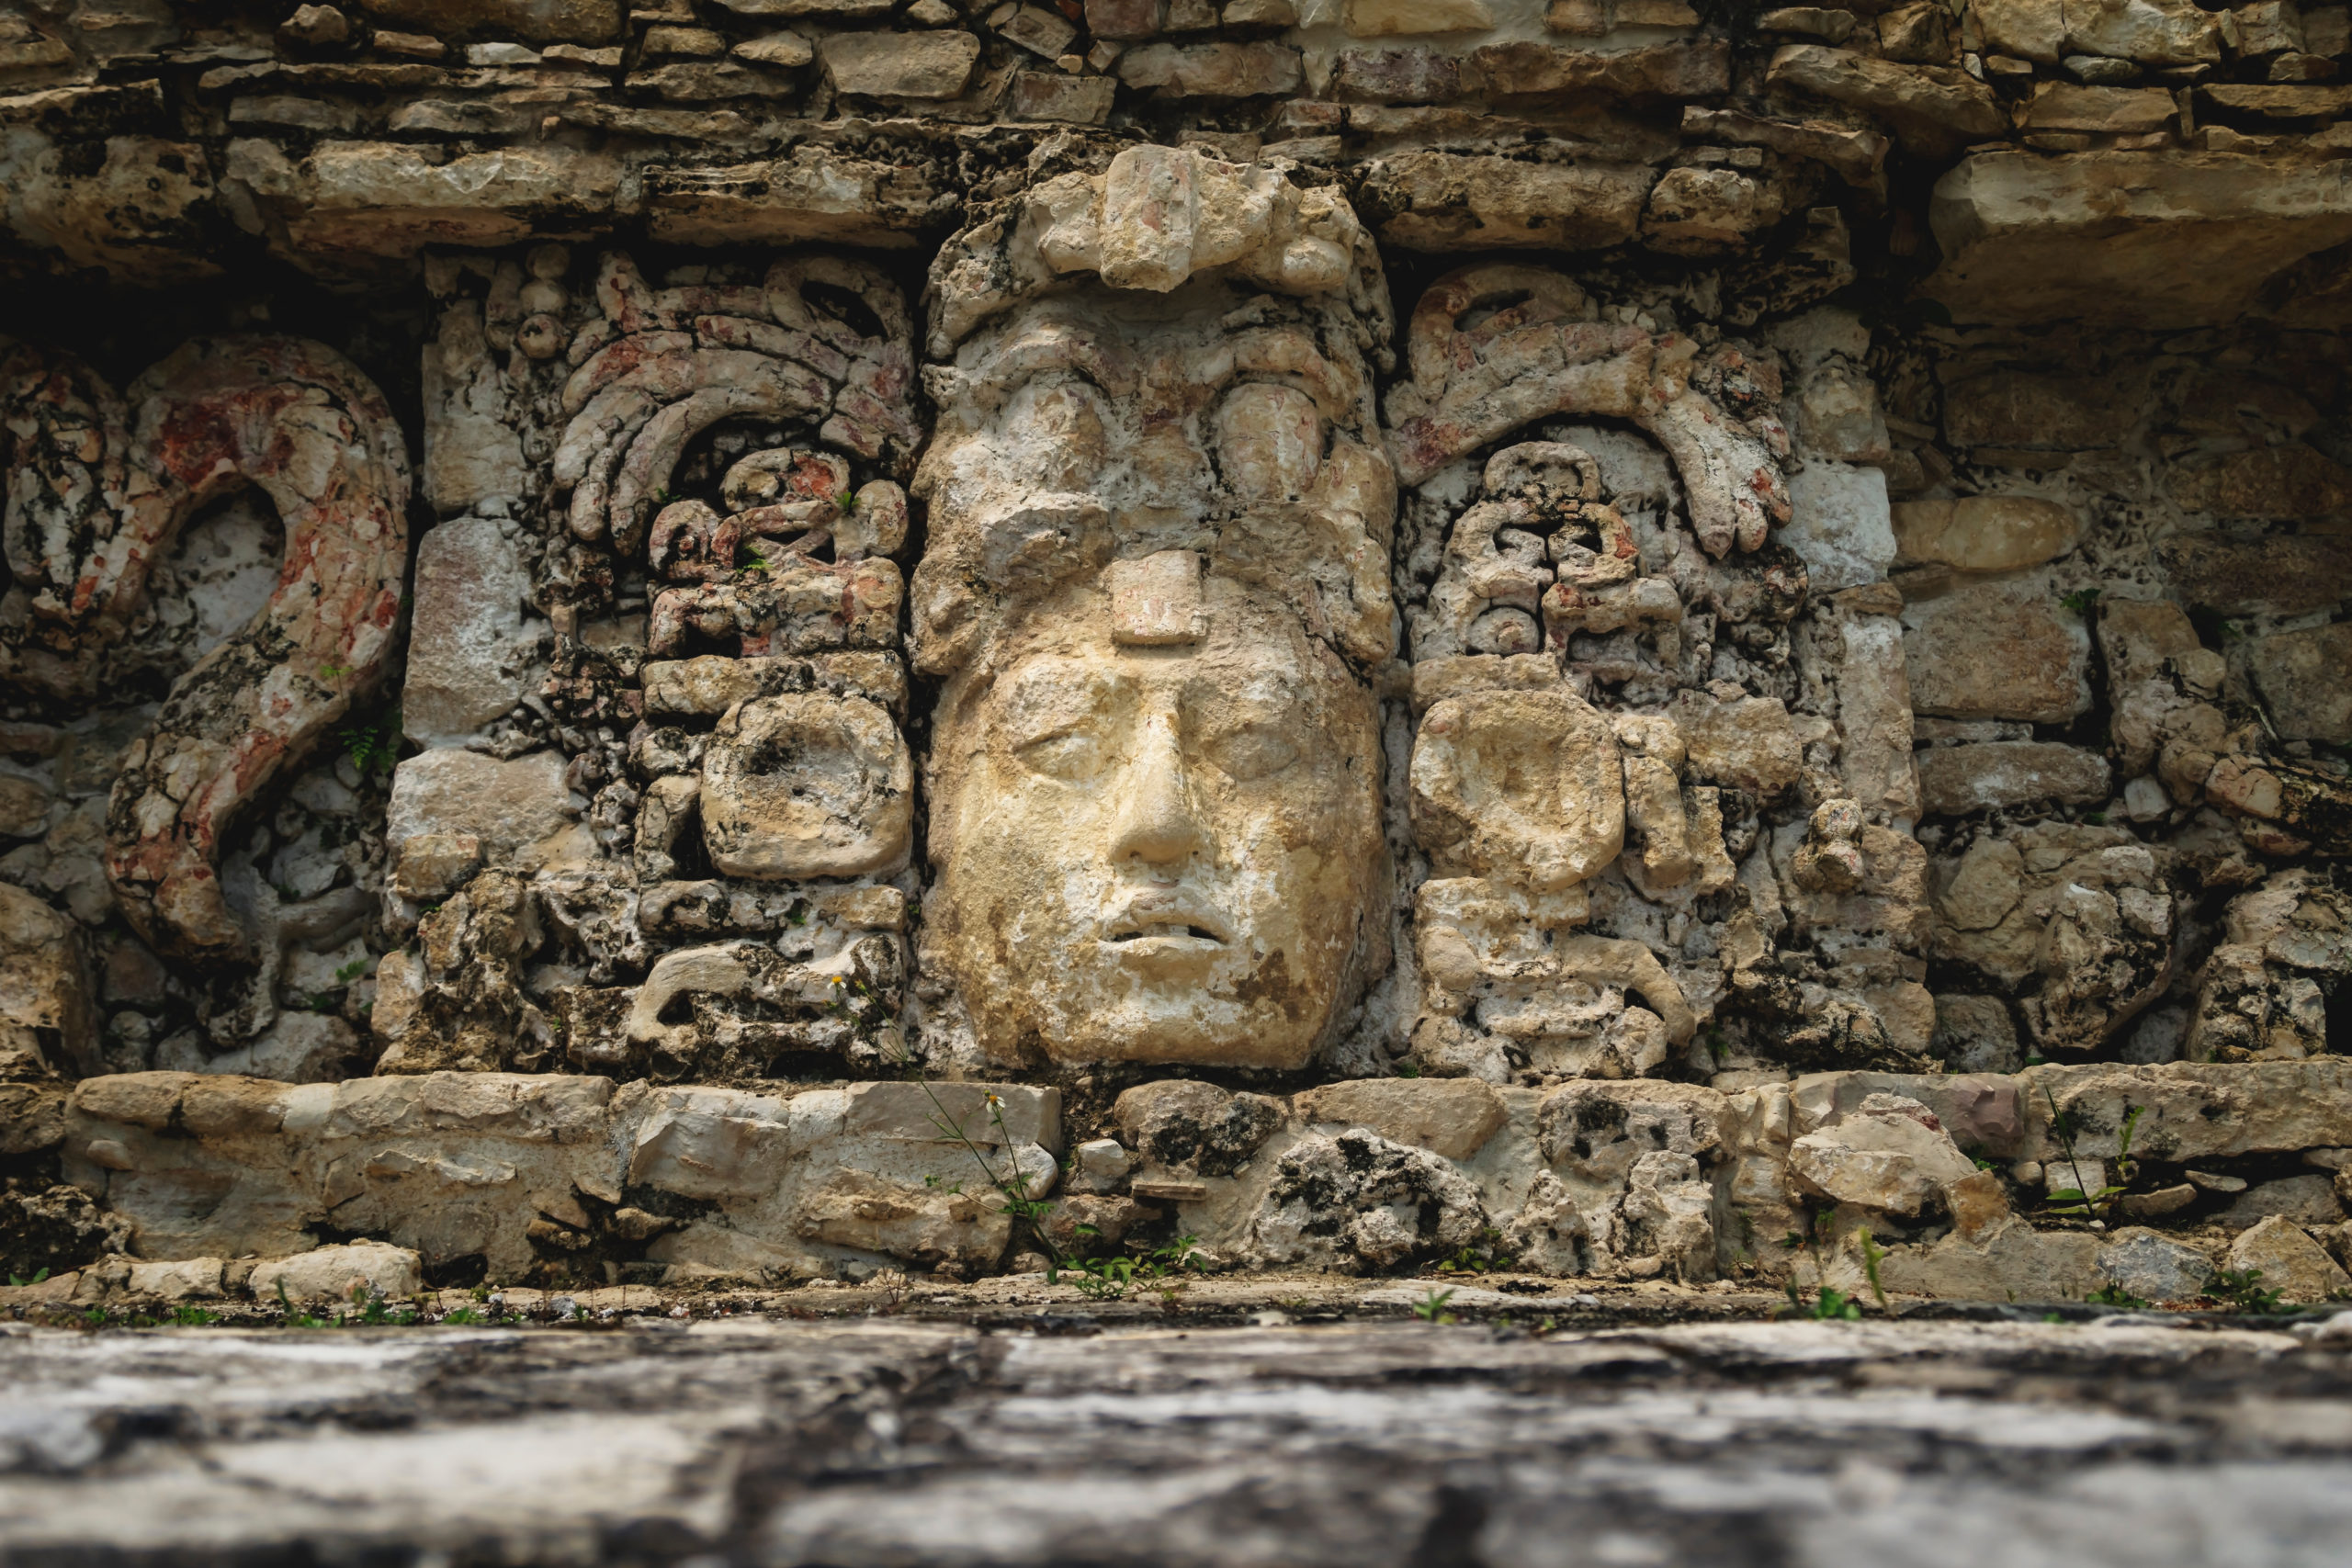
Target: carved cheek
x=1271 y=441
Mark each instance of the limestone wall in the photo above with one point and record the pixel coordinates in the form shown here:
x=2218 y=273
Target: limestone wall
x=1593 y=633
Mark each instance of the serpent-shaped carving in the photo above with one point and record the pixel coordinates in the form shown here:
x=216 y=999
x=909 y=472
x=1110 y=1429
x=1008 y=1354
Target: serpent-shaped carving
x=98 y=486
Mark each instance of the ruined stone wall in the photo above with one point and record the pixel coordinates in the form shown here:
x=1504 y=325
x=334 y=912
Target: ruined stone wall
x=740 y=640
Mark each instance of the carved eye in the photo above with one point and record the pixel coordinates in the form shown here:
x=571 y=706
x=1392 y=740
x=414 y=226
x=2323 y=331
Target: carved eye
x=1073 y=757
x=1270 y=439
x=1253 y=751
x=1055 y=431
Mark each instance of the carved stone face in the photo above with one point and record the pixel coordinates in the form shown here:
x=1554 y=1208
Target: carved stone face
x=1155 y=800
x=1163 y=853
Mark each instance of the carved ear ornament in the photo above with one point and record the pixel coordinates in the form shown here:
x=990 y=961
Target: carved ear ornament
x=1494 y=348
x=824 y=341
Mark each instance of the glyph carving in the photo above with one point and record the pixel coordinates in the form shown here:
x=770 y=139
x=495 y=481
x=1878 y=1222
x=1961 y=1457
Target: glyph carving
x=1544 y=600
x=99 y=484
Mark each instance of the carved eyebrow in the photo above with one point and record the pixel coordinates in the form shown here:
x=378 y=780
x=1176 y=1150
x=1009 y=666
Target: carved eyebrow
x=1339 y=396
x=1049 y=695
x=1046 y=348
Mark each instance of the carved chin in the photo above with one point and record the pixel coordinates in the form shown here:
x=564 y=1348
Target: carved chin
x=1180 y=999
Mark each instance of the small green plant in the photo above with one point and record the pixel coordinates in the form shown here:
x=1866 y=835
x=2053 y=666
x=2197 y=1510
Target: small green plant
x=96 y=1317
x=846 y=502
x=295 y=1318
x=463 y=1316
x=1827 y=1302
x=1479 y=1256
x=1718 y=1047
x=1831 y=1305
x=193 y=1317
x=1430 y=1308
x=21 y=1279
x=1025 y=1211
x=2074 y=1199
x=1409 y=1069
x=2114 y=1295
x=2243 y=1290
x=1871 y=1253
x=1107 y=1278
x=351 y=971
x=333 y=671
x=373 y=746
x=2081 y=600
x=1104 y=1279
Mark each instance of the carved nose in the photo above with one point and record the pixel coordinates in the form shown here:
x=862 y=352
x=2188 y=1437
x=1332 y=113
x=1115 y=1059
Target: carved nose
x=1156 y=823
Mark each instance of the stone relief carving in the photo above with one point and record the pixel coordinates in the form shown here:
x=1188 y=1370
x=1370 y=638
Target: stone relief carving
x=725 y=675
x=100 y=485
x=1155 y=594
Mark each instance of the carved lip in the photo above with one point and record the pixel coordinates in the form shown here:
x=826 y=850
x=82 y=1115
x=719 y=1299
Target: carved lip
x=1167 y=918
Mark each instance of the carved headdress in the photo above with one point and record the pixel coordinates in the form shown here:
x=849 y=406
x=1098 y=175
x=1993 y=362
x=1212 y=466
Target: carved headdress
x=1272 y=310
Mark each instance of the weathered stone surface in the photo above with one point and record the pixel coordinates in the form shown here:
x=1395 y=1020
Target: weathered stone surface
x=2192 y=1111
x=2012 y=408
x=1448 y=201
x=2289 y=1262
x=805 y=786
x=349 y=201
x=470 y=661
x=1212 y=70
x=1049 y=95
x=1747 y=742
x=1932 y=110
x=1999 y=774
x=900 y=65
x=1357 y=1202
x=1984 y=533
x=1453 y=1117
x=1997 y=650
x=2014 y=1263
x=48 y=1004
x=2269 y=483
x=2124 y=111
x=1195 y=1128
x=2275 y=574
x=1890 y=1154
x=1839 y=524
x=813 y=193
x=1522 y=785
x=2153 y=1267
x=2306 y=1200
x=2155 y=239
x=541 y=21
x=132 y=210
x=519 y=809
x=1975 y=1035
x=2302 y=676
x=335 y=1273
x=1701 y=68
x=1386 y=19
x=453 y=1435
